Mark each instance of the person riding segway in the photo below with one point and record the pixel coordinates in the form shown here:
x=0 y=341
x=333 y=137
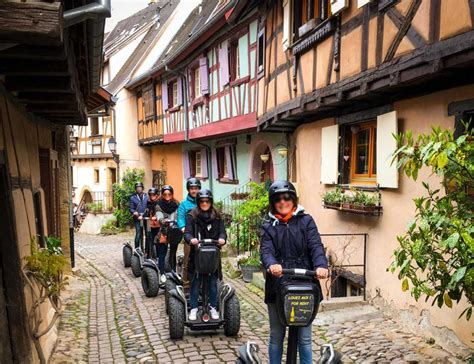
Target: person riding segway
x=205 y=232
x=193 y=185
x=290 y=239
x=137 y=206
x=149 y=272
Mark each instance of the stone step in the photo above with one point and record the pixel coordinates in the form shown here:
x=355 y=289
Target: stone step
x=337 y=303
x=355 y=313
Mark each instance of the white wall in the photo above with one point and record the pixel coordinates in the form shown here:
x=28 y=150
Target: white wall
x=131 y=154
x=83 y=177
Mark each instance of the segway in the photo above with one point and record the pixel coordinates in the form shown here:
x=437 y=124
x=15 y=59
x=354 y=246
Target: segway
x=248 y=354
x=127 y=252
x=207 y=261
x=297 y=304
x=138 y=255
x=174 y=236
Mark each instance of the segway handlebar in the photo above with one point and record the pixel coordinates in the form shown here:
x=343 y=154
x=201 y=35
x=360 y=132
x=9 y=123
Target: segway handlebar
x=208 y=242
x=297 y=272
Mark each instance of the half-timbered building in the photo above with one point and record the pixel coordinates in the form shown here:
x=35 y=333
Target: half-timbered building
x=50 y=61
x=197 y=107
x=341 y=77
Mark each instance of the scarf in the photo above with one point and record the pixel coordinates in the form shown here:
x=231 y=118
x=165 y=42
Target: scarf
x=287 y=217
x=168 y=207
x=204 y=218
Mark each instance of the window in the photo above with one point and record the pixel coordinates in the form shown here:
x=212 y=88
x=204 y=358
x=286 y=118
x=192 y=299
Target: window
x=234 y=61
x=261 y=52
x=311 y=13
x=363 y=147
x=94 y=125
x=196 y=161
x=226 y=163
x=197 y=82
x=148 y=107
x=360 y=153
x=173 y=94
x=96 y=175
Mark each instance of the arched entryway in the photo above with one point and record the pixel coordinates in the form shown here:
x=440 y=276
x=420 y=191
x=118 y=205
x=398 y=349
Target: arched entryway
x=263 y=163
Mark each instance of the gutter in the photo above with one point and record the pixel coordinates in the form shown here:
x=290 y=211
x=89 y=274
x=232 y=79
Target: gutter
x=183 y=46
x=95 y=15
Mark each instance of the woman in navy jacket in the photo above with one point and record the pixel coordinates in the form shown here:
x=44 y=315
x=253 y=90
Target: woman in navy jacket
x=290 y=239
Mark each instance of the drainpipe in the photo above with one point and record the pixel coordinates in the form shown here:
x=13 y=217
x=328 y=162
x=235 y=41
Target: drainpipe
x=186 y=122
x=96 y=13
x=99 y=10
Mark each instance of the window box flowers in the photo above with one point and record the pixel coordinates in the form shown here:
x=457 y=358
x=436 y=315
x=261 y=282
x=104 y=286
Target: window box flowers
x=353 y=201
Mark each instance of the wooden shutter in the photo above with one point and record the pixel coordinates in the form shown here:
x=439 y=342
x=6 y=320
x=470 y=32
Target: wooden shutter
x=180 y=91
x=338 y=5
x=329 y=154
x=204 y=166
x=186 y=169
x=164 y=95
x=287 y=24
x=49 y=174
x=228 y=160
x=387 y=127
x=224 y=64
x=215 y=170
x=204 y=75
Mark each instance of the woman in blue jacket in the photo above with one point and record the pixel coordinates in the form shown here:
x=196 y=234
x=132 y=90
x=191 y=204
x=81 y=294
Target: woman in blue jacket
x=290 y=239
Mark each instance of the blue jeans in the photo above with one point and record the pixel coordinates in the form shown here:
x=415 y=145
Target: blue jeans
x=161 y=250
x=277 y=336
x=138 y=233
x=196 y=284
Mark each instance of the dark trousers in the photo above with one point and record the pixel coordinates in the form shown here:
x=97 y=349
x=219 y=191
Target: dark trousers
x=172 y=256
x=138 y=233
x=161 y=250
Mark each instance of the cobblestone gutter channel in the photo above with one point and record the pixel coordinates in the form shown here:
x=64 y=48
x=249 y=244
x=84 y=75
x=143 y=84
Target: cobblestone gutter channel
x=108 y=319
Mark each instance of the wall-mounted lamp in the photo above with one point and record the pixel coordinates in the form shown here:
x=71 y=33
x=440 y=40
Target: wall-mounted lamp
x=282 y=151
x=264 y=157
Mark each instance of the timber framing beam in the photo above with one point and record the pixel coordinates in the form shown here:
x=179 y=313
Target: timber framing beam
x=430 y=68
x=31 y=23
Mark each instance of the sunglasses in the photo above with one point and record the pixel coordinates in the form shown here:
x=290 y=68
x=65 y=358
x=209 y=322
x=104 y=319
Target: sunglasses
x=284 y=197
x=204 y=201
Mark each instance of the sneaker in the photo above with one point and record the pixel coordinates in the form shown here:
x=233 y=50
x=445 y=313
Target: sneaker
x=163 y=279
x=193 y=314
x=214 y=314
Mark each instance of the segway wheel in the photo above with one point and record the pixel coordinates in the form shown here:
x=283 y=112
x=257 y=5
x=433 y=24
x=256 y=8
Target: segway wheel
x=167 y=261
x=127 y=256
x=150 y=282
x=176 y=318
x=232 y=316
x=136 y=266
x=169 y=285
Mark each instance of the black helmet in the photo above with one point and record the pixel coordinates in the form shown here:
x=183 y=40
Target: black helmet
x=278 y=187
x=139 y=184
x=205 y=193
x=167 y=188
x=153 y=190
x=193 y=182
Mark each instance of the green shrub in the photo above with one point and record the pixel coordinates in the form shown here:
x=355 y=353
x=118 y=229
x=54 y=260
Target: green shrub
x=435 y=258
x=122 y=193
x=95 y=207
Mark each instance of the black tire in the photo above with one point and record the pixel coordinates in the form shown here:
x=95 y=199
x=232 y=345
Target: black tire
x=127 y=256
x=167 y=261
x=150 y=282
x=176 y=318
x=232 y=316
x=136 y=266
x=169 y=285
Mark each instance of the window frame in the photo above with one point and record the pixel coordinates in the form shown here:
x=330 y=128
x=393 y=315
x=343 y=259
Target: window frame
x=261 y=50
x=148 y=103
x=197 y=163
x=234 y=60
x=371 y=176
x=94 y=121
x=223 y=174
x=312 y=14
x=196 y=82
x=96 y=176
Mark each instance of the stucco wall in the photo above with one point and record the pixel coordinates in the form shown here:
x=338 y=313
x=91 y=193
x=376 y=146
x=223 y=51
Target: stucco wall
x=418 y=115
x=131 y=154
x=169 y=158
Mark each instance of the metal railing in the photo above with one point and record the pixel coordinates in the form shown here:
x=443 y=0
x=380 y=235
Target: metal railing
x=103 y=200
x=230 y=203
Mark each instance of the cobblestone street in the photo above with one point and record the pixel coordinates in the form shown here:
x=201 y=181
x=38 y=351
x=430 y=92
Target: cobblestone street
x=108 y=319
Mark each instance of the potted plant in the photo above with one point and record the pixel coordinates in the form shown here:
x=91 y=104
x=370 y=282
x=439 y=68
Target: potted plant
x=333 y=198
x=347 y=201
x=248 y=265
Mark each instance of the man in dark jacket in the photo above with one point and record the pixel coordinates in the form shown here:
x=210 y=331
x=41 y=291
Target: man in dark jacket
x=137 y=207
x=289 y=240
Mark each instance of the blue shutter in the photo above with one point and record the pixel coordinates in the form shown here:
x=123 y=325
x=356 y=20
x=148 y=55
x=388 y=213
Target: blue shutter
x=164 y=95
x=215 y=169
x=186 y=169
x=204 y=75
x=228 y=160
x=204 y=170
x=180 y=91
